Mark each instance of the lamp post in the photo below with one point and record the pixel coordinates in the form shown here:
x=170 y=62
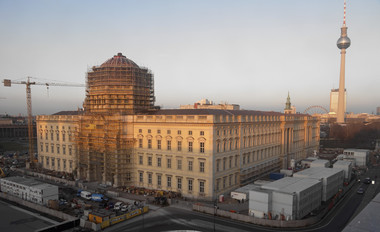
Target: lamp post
x=215 y=208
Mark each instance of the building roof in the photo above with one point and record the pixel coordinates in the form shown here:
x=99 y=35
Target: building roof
x=216 y=112
x=300 y=185
x=342 y=163
x=281 y=183
x=356 y=149
x=247 y=188
x=320 y=161
x=318 y=172
x=119 y=61
x=72 y=112
x=290 y=184
x=24 y=181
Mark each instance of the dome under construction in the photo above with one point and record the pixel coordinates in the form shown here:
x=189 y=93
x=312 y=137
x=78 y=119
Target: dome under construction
x=119 y=85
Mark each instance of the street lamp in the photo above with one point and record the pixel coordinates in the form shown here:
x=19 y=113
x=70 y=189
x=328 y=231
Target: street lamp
x=215 y=208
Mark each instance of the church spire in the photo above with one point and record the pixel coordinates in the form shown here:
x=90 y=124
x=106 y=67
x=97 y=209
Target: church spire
x=288 y=105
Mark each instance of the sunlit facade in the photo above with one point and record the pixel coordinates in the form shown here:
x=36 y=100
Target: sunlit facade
x=56 y=142
x=200 y=153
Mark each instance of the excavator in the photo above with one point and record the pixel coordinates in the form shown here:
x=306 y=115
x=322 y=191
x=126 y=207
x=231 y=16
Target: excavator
x=3 y=174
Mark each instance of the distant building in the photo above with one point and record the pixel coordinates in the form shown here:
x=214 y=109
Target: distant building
x=378 y=110
x=206 y=104
x=289 y=109
x=14 y=127
x=334 y=99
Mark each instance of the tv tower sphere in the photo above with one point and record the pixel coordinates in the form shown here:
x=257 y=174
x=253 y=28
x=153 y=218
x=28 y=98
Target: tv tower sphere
x=343 y=42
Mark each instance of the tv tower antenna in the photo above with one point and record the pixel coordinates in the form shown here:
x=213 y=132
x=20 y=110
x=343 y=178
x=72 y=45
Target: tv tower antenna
x=344 y=14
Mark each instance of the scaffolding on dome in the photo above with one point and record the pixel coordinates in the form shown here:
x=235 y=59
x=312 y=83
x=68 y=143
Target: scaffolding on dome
x=119 y=87
x=115 y=90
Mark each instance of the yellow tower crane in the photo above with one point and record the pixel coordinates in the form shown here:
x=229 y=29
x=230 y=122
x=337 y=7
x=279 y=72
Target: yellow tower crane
x=28 y=83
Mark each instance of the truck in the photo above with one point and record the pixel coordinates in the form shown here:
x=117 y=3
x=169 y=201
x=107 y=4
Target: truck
x=86 y=195
x=98 y=197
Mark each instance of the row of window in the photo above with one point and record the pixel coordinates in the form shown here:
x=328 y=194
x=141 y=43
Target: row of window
x=232 y=161
x=55 y=160
x=231 y=131
x=179 y=132
x=56 y=127
x=169 y=182
x=169 y=145
x=190 y=163
x=250 y=141
x=57 y=136
x=224 y=160
x=58 y=148
x=226 y=181
x=260 y=154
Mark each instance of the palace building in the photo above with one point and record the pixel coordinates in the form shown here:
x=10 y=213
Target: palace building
x=122 y=139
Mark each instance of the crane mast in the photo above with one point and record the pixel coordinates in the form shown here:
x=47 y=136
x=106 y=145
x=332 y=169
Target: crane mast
x=30 y=119
x=28 y=83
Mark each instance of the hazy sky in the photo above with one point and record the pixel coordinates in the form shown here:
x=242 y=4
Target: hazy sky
x=244 y=52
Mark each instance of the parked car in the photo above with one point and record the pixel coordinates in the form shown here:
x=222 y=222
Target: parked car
x=367 y=180
x=118 y=205
x=360 y=190
x=124 y=208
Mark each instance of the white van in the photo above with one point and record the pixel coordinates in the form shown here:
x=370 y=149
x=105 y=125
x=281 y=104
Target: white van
x=86 y=195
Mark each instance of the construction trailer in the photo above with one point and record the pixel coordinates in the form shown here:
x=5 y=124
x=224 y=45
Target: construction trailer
x=346 y=166
x=320 y=163
x=29 y=189
x=288 y=198
x=332 y=179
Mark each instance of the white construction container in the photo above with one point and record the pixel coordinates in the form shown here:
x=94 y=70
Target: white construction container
x=346 y=166
x=320 y=163
x=260 y=203
x=42 y=193
x=332 y=179
x=29 y=189
x=308 y=197
x=292 y=198
x=284 y=205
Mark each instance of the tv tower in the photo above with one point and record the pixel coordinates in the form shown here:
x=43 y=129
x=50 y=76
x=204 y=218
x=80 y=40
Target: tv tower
x=342 y=43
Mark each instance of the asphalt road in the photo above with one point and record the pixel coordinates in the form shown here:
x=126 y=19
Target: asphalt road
x=171 y=218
